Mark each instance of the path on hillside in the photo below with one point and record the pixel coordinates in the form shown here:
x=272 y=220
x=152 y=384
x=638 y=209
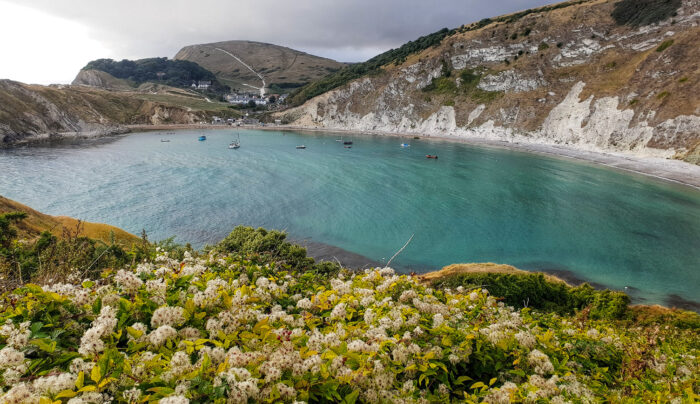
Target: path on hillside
x=262 y=89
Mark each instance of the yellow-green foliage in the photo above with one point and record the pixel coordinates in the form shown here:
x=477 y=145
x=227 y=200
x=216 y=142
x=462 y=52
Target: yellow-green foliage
x=664 y=45
x=237 y=328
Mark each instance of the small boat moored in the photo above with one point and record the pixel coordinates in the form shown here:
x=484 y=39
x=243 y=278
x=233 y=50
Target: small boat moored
x=431 y=156
x=405 y=145
x=202 y=138
x=164 y=140
x=347 y=142
x=348 y=147
x=235 y=144
x=301 y=147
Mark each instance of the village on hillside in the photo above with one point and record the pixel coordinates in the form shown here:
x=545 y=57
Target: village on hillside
x=243 y=99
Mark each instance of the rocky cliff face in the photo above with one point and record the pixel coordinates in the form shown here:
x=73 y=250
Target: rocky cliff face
x=571 y=76
x=33 y=113
x=100 y=79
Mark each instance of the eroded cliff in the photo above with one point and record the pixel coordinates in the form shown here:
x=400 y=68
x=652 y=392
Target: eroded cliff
x=569 y=75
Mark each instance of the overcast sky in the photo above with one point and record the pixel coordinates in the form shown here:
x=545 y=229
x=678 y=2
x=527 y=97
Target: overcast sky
x=48 y=41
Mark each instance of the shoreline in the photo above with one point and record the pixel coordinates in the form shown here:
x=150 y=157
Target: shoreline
x=675 y=171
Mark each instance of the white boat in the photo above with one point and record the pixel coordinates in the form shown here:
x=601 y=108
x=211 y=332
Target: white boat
x=301 y=147
x=164 y=140
x=235 y=144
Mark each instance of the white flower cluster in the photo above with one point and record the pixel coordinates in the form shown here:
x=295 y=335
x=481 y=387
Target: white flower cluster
x=374 y=331
x=129 y=282
x=91 y=343
x=540 y=361
x=172 y=316
x=17 y=335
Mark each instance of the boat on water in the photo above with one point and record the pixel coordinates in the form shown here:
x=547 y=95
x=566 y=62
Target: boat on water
x=431 y=156
x=235 y=144
x=348 y=147
x=339 y=140
x=164 y=140
x=301 y=147
x=202 y=138
x=347 y=142
x=405 y=145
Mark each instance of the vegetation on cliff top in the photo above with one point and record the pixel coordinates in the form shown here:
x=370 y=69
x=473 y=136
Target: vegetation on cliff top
x=399 y=55
x=644 y=12
x=176 y=73
x=253 y=319
x=372 y=66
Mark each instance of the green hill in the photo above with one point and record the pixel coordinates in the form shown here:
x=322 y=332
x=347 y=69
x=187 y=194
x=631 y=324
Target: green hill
x=282 y=68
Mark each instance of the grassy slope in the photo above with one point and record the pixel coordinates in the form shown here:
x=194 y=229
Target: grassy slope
x=277 y=64
x=37 y=222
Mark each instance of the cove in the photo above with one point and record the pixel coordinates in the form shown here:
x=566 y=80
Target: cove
x=473 y=204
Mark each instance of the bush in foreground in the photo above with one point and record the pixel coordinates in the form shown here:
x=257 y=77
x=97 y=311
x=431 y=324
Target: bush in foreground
x=245 y=327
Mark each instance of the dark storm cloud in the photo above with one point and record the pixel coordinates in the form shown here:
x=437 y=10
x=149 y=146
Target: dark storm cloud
x=347 y=30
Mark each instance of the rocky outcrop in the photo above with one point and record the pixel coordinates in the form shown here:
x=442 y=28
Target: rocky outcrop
x=30 y=113
x=100 y=79
x=568 y=76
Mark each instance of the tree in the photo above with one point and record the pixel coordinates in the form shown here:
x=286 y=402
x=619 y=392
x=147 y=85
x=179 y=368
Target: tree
x=251 y=104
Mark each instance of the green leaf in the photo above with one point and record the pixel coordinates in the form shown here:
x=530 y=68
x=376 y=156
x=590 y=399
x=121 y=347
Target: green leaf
x=477 y=385
x=80 y=380
x=463 y=379
x=96 y=374
x=351 y=398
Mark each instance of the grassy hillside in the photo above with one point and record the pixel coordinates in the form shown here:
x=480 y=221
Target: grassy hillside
x=36 y=223
x=283 y=68
x=38 y=112
x=254 y=320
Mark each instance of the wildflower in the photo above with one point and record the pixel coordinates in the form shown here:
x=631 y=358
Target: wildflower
x=17 y=336
x=167 y=315
x=540 y=362
x=175 y=399
x=162 y=334
x=129 y=282
x=54 y=384
x=339 y=311
x=91 y=342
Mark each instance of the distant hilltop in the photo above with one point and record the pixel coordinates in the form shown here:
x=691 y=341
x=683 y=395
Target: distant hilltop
x=245 y=65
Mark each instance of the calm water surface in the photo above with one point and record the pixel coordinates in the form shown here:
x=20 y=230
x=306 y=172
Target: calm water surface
x=474 y=204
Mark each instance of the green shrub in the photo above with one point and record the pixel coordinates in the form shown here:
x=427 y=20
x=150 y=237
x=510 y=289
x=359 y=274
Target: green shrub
x=644 y=12
x=535 y=291
x=664 y=45
x=663 y=95
x=543 y=46
x=271 y=245
x=441 y=85
x=56 y=258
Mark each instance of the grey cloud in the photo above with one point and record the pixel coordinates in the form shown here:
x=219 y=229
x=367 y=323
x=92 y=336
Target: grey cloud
x=346 y=30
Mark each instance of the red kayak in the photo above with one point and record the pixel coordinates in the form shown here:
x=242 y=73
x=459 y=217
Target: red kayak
x=431 y=156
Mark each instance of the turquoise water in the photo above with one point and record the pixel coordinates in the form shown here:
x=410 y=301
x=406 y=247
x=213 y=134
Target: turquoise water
x=474 y=204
